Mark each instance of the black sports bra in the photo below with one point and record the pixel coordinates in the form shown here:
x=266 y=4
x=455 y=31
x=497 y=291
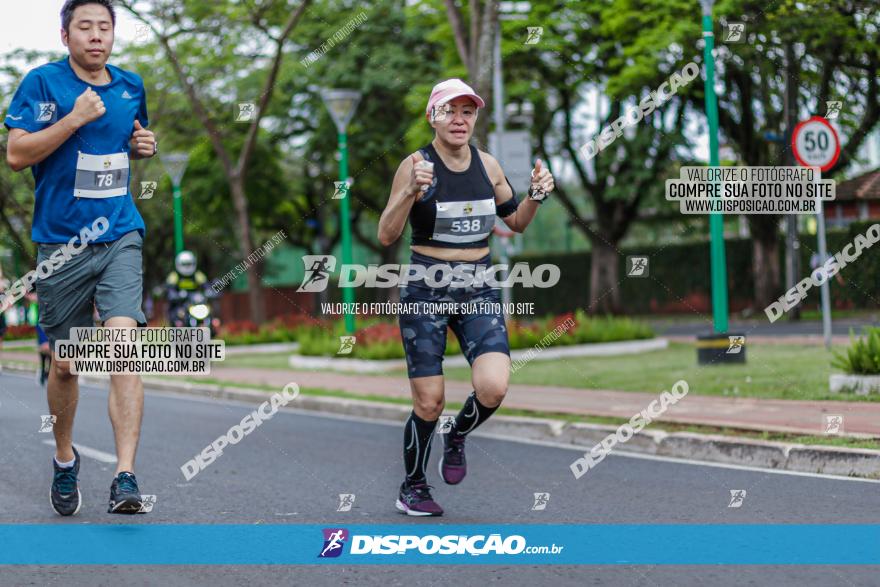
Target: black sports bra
x=458 y=210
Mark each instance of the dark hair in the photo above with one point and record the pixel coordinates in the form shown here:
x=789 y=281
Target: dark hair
x=71 y=5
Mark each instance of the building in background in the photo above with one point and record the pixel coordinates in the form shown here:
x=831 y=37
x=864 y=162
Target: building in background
x=858 y=199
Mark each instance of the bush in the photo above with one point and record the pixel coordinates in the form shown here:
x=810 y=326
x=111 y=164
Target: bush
x=378 y=340
x=282 y=329
x=381 y=339
x=863 y=355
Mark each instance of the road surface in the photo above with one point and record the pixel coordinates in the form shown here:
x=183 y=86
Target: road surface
x=291 y=470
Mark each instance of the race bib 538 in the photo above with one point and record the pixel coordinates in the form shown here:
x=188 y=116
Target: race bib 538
x=464 y=222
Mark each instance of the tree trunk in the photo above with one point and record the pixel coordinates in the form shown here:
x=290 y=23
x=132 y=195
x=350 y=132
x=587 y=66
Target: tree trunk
x=765 y=257
x=604 y=277
x=481 y=128
x=485 y=69
x=246 y=243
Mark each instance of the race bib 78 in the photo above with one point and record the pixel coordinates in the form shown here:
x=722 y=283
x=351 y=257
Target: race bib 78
x=101 y=176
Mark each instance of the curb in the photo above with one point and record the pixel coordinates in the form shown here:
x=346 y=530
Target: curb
x=848 y=462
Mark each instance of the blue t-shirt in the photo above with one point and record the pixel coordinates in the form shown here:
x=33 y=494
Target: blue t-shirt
x=46 y=95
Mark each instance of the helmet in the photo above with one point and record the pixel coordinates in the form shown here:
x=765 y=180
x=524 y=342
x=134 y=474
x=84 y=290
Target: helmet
x=185 y=263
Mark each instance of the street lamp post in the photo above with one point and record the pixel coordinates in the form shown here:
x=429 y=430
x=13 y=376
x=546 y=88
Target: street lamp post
x=342 y=104
x=720 y=346
x=716 y=221
x=175 y=166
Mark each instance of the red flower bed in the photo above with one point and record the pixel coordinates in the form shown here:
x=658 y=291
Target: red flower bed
x=514 y=325
x=238 y=327
x=295 y=321
x=382 y=332
x=20 y=331
x=558 y=321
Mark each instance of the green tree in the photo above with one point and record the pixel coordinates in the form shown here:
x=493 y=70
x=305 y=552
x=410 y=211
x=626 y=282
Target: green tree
x=216 y=49
x=833 y=52
x=578 y=57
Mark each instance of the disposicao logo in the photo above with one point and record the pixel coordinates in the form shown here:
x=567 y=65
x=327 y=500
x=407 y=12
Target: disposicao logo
x=334 y=540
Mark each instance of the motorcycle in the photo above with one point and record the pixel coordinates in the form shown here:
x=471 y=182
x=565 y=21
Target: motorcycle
x=194 y=310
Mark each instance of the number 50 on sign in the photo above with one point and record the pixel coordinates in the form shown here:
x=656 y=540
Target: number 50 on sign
x=815 y=143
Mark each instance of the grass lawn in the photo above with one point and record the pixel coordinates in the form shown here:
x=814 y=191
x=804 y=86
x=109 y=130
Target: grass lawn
x=782 y=371
x=257 y=361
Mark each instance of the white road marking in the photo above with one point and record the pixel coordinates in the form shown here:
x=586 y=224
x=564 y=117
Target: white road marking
x=93 y=453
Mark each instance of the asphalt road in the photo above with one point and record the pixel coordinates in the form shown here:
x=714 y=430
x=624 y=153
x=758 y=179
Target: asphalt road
x=292 y=468
x=760 y=326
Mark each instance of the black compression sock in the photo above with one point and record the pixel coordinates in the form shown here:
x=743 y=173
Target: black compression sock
x=417 y=435
x=472 y=414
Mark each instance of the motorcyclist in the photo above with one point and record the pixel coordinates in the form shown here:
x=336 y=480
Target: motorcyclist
x=185 y=280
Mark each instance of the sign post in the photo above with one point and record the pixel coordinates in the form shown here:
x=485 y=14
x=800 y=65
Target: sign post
x=513 y=150
x=815 y=143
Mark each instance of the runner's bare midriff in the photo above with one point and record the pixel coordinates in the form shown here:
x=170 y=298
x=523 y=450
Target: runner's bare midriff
x=448 y=254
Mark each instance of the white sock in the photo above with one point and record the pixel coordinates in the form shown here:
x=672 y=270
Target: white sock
x=66 y=465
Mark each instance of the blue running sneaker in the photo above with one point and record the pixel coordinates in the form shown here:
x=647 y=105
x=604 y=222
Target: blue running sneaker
x=64 y=496
x=125 y=498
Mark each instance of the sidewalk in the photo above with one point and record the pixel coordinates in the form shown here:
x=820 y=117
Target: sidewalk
x=802 y=417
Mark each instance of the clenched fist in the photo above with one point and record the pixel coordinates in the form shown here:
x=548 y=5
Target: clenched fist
x=88 y=107
x=422 y=176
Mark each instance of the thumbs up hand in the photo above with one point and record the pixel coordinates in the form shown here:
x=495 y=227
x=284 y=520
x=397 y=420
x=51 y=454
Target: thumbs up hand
x=542 y=182
x=143 y=141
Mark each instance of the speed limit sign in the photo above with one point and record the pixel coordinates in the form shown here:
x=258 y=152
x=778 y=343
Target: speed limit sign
x=815 y=143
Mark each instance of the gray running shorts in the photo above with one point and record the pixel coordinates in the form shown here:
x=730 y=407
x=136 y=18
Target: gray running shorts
x=107 y=276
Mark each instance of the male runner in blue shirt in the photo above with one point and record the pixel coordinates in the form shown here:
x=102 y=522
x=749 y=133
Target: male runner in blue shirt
x=76 y=123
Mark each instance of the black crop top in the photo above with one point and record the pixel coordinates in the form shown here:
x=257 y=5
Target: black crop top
x=458 y=210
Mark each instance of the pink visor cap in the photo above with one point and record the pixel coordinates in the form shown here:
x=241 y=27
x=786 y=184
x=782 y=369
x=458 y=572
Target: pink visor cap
x=450 y=90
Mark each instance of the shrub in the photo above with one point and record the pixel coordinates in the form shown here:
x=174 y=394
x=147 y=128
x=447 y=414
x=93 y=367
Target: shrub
x=863 y=355
x=381 y=339
x=285 y=328
x=377 y=341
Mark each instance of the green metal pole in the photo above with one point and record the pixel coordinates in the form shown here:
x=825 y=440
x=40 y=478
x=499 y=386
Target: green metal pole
x=178 y=220
x=347 y=292
x=716 y=221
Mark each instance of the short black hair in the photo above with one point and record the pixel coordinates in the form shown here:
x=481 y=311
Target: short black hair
x=71 y=5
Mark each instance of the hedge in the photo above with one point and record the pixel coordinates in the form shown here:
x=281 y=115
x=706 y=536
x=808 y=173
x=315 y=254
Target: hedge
x=679 y=277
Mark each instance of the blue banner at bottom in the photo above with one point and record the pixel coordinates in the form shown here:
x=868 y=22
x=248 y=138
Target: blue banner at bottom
x=559 y=544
